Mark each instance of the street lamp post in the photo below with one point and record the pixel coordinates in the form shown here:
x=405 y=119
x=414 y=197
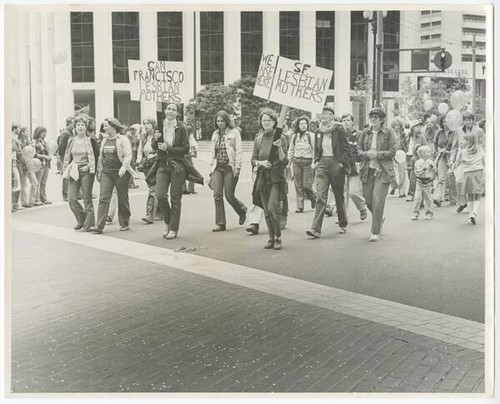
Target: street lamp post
x=377 y=22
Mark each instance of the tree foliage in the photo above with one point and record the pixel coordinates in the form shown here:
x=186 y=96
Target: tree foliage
x=215 y=97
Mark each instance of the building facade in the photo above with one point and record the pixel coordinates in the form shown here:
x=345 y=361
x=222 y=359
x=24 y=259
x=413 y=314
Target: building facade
x=58 y=59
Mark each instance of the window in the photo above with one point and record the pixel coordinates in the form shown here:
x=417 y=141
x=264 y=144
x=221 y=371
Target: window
x=251 y=42
x=125 y=35
x=359 y=47
x=425 y=37
x=391 y=59
x=427 y=12
x=170 y=36
x=325 y=41
x=426 y=25
x=82 y=47
x=212 y=47
x=479 y=58
x=435 y=23
x=474 y=18
x=436 y=36
x=289 y=34
x=478 y=31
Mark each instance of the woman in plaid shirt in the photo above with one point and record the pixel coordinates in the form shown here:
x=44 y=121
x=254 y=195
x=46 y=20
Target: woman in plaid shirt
x=226 y=157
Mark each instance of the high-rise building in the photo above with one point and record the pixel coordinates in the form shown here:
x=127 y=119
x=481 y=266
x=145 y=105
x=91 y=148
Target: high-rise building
x=59 y=58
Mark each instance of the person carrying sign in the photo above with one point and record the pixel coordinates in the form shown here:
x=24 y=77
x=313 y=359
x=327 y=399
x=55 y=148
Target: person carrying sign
x=331 y=161
x=270 y=158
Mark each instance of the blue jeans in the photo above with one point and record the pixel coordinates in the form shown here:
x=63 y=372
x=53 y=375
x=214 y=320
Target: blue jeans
x=108 y=182
x=85 y=217
x=224 y=182
x=375 y=192
x=272 y=210
x=303 y=180
x=170 y=177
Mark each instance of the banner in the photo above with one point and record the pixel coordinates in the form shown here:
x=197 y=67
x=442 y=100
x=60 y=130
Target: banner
x=158 y=81
x=292 y=82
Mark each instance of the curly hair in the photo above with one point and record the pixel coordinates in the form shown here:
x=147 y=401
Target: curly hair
x=271 y=113
x=295 y=125
x=37 y=133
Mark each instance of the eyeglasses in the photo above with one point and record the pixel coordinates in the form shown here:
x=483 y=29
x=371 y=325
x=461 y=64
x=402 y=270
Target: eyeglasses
x=267 y=120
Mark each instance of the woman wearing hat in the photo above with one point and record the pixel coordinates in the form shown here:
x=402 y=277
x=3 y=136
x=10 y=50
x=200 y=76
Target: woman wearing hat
x=82 y=152
x=377 y=148
x=113 y=171
x=172 y=146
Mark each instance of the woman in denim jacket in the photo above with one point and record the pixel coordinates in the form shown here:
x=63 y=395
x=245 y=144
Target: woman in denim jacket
x=226 y=156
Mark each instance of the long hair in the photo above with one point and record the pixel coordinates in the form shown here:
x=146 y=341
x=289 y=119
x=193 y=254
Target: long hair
x=38 y=132
x=227 y=119
x=296 y=123
x=152 y=121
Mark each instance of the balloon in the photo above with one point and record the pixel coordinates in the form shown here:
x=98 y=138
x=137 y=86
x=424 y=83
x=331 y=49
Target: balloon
x=428 y=104
x=400 y=156
x=454 y=119
x=443 y=108
x=33 y=165
x=433 y=118
x=28 y=152
x=51 y=147
x=468 y=96
x=457 y=99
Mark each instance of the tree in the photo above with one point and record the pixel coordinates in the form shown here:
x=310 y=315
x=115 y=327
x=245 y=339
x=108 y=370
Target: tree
x=214 y=97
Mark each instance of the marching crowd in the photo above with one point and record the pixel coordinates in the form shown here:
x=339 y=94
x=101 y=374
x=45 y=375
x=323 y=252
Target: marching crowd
x=330 y=162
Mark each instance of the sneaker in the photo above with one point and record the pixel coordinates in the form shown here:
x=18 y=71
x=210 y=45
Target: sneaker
x=146 y=220
x=402 y=195
x=312 y=233
x=414 y=216
x=461 y=208
x=343 y=230
x=374 y=237
x=124 y=228
x=48 y=203
x=409 y=198
x=437 y=203
x=219 y=227
x=429 y=215
x=38 y=203
x=362 y=214
x=109 y=219
x=472 y=219
x=277 y=244
x=269 y=245
x=78 y=227
x=96 y=230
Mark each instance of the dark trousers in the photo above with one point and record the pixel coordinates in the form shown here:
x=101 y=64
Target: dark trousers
x=84 y=216
x=329 y=172
x=224 y=182
x=171 y=177
x=375 y=192
x=271 y=202
x=65 y=188
x=108 y=182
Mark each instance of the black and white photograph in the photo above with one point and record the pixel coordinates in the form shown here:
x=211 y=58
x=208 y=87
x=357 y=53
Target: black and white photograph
x=249 y=200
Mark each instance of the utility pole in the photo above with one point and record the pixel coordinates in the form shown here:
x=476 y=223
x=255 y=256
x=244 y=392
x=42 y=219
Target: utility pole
x=195 y=127
x=380 y=39
x=473 y=101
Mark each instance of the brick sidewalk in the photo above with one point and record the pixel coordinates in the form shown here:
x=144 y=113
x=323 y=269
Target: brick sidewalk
x=89 y=320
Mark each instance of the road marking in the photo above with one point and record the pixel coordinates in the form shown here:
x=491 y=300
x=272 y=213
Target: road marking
x=446 y=328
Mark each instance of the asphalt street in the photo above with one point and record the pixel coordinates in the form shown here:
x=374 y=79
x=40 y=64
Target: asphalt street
x=215 y=312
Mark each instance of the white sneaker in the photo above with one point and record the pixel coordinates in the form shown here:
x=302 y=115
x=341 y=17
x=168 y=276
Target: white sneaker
x=374 y=237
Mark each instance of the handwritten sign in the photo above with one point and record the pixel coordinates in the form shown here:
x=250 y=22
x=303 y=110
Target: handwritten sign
x=158 y=81
x=292 y=82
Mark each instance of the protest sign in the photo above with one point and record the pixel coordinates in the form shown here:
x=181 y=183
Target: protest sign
x=292 y=82
x=158 y=81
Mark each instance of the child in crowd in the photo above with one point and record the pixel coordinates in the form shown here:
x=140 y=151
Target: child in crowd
x=471 y=157
x=425 y=170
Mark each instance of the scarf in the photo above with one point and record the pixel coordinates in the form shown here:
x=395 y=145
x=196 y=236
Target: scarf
x=326 y=127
